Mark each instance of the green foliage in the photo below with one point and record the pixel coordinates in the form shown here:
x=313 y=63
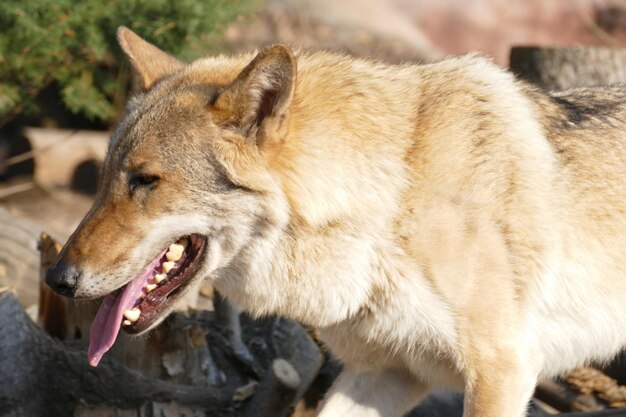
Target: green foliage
x=72 y=43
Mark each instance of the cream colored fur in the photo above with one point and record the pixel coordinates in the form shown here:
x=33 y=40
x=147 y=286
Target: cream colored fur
x=441 y=225
x=443 y=237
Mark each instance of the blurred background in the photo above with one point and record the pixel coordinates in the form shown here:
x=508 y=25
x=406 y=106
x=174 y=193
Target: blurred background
x=64 y=82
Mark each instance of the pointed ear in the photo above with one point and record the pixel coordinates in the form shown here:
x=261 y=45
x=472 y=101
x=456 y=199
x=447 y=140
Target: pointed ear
x=258 y=101
x=149 y=62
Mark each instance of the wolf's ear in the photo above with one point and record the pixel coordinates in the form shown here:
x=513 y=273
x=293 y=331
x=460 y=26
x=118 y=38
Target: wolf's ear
x=149 y=62
x=259 y=99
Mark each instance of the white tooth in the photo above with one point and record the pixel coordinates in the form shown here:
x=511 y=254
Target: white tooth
x=173 y=256
x=167 y=266
x=133 y=314
x=182 y=243
x=150 y=287
x=178 y=246
x=158 y=278
x=175 y=252
x=127 y=323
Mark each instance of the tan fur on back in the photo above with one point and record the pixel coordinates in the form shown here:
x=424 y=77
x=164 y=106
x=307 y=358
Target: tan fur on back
x=442 y=225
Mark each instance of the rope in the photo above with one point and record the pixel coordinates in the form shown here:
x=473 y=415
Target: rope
x=593 y=381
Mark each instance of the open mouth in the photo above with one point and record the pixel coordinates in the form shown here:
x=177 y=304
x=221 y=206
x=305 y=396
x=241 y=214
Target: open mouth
x=140 y=303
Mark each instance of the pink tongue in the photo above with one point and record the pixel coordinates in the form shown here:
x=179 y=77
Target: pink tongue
x=106 y=325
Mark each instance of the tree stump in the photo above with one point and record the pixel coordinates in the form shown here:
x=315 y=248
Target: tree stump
x=19 y=258
x=569 y=67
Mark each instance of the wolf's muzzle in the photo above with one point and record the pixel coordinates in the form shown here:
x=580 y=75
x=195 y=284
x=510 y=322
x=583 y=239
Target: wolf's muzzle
x=63 y=278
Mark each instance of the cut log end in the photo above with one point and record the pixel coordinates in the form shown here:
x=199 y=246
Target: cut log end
x=286 y=374
x=563 y=68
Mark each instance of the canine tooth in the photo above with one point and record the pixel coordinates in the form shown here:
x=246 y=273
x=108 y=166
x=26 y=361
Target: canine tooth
x=158 y=278
x=167 y=266
x=175 y=252
x=127 y=323
x=150 y=287
x=133 y=314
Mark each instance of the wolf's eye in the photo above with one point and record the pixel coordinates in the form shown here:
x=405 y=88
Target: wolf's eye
x=140 y=180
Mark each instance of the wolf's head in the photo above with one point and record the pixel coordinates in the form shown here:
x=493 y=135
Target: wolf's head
x=185 y=184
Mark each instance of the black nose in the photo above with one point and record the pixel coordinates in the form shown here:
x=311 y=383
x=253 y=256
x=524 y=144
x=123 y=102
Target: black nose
x=63 y=278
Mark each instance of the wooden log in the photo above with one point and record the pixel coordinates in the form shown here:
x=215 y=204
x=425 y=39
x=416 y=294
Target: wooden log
x=228 y=316
x=19 y=258
x=280 y=338
x=276 y=394
x=42 y=376
x=569 y=67
x=294 y=344
x=562 y=397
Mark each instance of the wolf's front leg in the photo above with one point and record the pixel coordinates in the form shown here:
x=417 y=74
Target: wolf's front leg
x=500 y=387
x=386 y=393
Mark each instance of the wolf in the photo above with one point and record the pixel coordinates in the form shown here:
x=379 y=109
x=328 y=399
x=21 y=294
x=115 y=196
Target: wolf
x=441 y=225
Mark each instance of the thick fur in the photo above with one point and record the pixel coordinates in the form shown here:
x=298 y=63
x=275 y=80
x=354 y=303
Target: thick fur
x=441 y=225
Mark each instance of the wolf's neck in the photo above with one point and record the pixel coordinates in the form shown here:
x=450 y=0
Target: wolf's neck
x=316 y=277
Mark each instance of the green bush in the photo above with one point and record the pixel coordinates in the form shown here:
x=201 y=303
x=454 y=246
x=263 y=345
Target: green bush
x=72 y=43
